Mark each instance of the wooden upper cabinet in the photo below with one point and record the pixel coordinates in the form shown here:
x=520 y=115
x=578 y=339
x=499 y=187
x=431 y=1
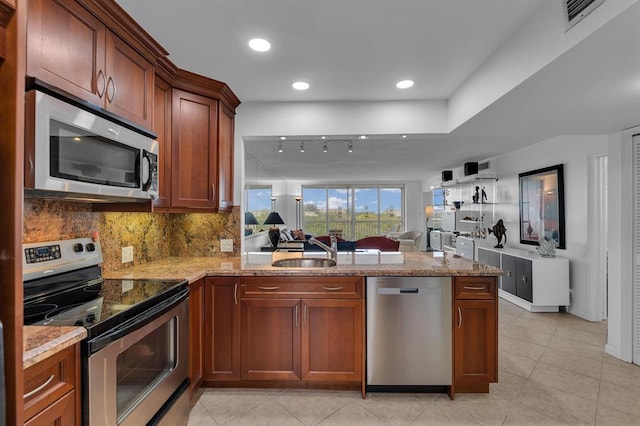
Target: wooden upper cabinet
x=72 y=49
x=66 y=48
x=162 y=127
x=225 y=157
x=194 y=151
x=129 y=87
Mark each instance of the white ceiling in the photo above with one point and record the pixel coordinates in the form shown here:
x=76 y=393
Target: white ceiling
x=356 y=50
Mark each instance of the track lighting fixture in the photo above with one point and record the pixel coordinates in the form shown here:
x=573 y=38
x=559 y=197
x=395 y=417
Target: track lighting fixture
x=324 y=147
x=280 y=147
x=350 y=146
x=301 y=146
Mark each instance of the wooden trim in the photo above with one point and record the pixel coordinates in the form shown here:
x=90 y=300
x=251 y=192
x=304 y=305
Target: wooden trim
x=192 y=82
x=120 y=22
x=12 y=82
x=7 y=10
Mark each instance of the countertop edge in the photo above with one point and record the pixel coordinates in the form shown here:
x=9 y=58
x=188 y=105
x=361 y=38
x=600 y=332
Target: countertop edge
x=41 y=342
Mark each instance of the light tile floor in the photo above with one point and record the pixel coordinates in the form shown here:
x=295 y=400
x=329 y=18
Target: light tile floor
x=553 y=371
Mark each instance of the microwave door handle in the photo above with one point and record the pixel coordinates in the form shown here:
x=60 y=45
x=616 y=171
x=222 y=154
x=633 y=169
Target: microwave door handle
x=147 y=181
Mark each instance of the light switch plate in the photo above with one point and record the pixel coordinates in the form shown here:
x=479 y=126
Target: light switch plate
x=127 y=254
x=226 y=245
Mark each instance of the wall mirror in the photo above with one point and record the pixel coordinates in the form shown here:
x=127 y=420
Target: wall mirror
x=542 y=205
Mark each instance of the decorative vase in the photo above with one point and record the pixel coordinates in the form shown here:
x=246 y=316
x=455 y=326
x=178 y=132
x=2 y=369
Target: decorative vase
x=274 y=236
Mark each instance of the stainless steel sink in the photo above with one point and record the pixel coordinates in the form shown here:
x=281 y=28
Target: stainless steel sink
x=304 y=262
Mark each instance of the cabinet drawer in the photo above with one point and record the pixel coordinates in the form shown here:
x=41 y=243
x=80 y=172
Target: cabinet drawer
x=475 y=287
x=61 y=412
x=49 y=380
x=301 y=287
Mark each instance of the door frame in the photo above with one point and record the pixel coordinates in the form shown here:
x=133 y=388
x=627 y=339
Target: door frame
x=597 y=224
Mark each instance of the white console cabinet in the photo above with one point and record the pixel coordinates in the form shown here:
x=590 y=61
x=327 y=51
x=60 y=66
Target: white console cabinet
x=535 y=283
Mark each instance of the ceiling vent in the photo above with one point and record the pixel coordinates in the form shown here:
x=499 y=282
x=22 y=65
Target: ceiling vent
x=483 y=166
x=576 y=10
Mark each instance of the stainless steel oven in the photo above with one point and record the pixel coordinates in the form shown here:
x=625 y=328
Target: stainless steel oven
x=133 y=376
x=135 y=356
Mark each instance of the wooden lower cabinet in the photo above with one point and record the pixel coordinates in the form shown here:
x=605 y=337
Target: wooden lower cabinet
x=222 y=330
x=332 y=340
x=52 y=390
x=475 y=333
x=293 y=330
x=196 y=333
x=270 y=344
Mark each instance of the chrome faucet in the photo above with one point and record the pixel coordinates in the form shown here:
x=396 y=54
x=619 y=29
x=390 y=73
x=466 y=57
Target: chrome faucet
x=333 y=250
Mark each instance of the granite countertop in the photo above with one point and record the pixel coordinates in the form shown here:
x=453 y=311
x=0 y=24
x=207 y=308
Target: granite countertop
x=40 y=342
x=411 y=264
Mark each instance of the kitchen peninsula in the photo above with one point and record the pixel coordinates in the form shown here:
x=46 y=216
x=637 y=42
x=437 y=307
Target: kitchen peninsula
x=256 y=325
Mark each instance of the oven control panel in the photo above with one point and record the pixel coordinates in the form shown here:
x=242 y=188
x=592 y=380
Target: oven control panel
x=53 y=257
x=42 y=253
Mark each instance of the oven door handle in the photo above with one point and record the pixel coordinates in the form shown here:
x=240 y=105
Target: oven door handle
x=137 y=322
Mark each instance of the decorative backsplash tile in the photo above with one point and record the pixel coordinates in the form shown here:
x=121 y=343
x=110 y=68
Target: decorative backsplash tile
x=47 y=220
x=153 y=235
x=199 y=234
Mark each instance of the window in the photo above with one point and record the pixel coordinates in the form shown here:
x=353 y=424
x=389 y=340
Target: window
x=353 y=211
x=257 y=200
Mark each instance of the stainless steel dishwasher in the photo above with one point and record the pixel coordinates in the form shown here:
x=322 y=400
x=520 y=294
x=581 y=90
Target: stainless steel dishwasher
x=409 y=332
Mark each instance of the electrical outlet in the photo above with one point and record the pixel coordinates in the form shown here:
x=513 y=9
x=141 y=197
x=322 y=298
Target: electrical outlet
x=127 y=254
x=226 y=245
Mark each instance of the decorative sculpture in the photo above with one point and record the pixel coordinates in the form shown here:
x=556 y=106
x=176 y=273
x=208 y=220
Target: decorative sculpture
x=484 y=195
x=547 y=247
x=476 y=196
x=499 y=231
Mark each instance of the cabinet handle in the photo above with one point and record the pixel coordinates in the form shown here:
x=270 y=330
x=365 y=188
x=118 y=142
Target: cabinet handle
x=39 y=388
x=275 y=287
x=473 y=288
x=332 y=288
x=101 y=78
x=524 y=279
x=459 y=317
x=115 y=89
x=296 y=316
x=213 y=192
x=304 y=315
x=508 y=273
x=235 y=293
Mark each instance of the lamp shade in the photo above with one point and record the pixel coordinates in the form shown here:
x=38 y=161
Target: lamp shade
x=250 y=219
x=274 y=219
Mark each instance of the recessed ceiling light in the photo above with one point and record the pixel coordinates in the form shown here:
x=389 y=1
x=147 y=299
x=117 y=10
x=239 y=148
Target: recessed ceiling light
x=259 y=44
x=323 y=137
x=404 y=84
x=362 y=137
x=404 y=136
x=283 y=138
x=300 y=85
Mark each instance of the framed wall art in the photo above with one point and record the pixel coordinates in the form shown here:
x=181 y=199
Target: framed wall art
x=542 y=206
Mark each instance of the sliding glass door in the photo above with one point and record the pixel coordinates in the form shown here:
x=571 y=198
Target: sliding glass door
x=353 y=211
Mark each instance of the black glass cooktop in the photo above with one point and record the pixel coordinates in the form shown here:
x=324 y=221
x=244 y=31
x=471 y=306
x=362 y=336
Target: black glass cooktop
x=84 y=299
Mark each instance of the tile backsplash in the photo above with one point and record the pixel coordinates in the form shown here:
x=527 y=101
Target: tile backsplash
x=153 y=235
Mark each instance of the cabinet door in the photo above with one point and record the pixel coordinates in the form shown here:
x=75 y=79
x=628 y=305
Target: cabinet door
x=225 y=158
x=475 y=342
x=61 y=412
x=162 y=127
x=509 y=277
x=524 y=288
x=270 y=333
x=66 y=48
x=332 y=340
x=129 y=89
x=196 y=332
x=489 y=257
x=222 y=330
x=194 y=151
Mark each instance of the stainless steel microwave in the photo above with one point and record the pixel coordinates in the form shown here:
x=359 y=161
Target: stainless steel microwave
x=77 y=151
